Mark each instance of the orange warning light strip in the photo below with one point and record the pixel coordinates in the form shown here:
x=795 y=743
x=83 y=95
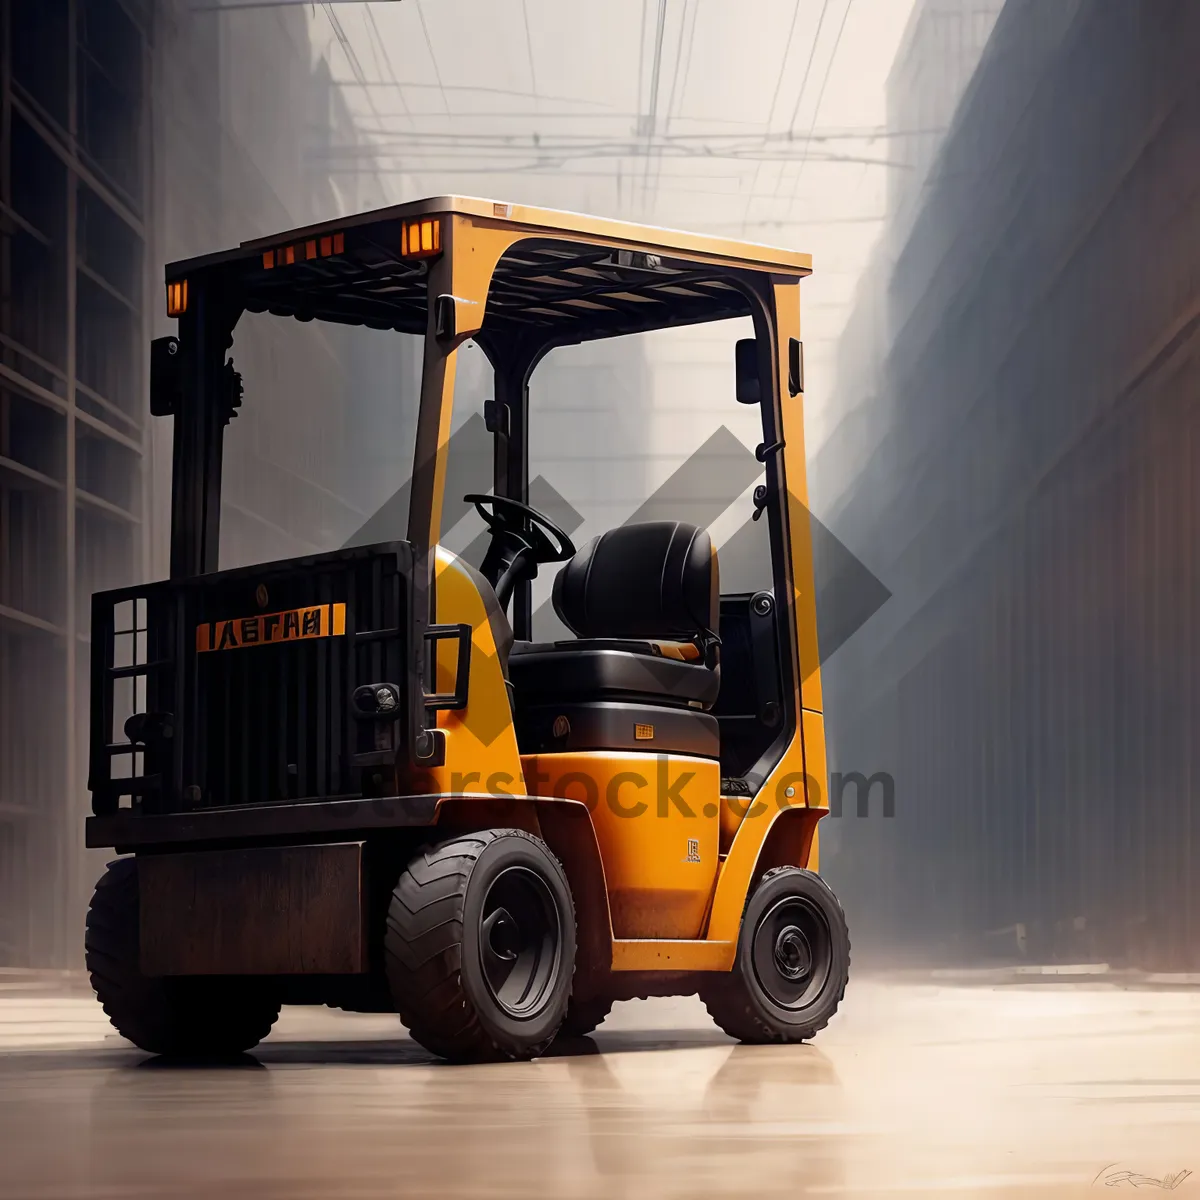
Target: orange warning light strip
x=323 y=247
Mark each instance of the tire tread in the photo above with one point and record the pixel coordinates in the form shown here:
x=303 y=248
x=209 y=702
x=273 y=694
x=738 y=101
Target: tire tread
x=729 y=1004
x=424 y=971
x=184 y=1017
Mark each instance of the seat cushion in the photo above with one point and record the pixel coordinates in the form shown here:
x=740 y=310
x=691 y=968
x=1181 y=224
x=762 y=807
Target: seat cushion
x=653 y=579
x=595 y=669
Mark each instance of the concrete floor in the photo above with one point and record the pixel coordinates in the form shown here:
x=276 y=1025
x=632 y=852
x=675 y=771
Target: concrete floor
x=917 y=1088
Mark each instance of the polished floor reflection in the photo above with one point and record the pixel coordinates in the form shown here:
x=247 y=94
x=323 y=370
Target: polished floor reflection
x=918 y=1088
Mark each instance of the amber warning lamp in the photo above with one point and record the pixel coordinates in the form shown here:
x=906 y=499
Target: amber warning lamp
x=421 y=239
x=177 y=298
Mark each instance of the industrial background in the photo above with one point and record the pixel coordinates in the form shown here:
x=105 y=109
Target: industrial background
x=1016 y=459
x=133 y=134
x=1001 y=342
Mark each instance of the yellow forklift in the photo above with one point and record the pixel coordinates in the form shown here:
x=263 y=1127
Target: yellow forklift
x=355 y=779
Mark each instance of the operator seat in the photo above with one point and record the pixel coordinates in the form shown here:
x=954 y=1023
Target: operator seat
x=643 y=602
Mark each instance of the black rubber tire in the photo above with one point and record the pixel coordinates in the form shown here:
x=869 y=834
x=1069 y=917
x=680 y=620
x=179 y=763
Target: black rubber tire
x=738 y=1001
x=584 y=1017
x=192 y=1017
x=434 y=948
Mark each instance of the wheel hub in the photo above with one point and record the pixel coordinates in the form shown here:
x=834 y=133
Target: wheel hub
x=504 y=936
x=793 y=955
x=792 y=952
x=520 y=939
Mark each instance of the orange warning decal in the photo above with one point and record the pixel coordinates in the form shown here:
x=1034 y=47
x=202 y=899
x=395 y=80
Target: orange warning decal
x=322 y=620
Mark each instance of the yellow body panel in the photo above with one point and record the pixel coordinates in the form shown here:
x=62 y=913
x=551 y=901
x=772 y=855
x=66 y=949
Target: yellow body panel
x=655 y=817
x=481 y=744
x=737 y=869
x=812 y=725
x=648 y=955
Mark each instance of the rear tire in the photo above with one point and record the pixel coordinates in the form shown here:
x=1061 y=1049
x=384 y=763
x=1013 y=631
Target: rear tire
x=585 y=1017
x=480 y=946
x=793 y=961
x=196 y=1016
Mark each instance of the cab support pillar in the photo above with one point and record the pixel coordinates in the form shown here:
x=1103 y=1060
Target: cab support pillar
x=205 y=334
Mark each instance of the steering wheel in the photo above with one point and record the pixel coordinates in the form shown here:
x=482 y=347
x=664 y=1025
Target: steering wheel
x=503 y=516
x=522 y=539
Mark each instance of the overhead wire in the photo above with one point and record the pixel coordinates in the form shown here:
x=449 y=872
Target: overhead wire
x=386 y=55
x=808 y=66
x=787 y=50
x=651 y=118
x=851 y=134
x=683 y=24
x=529 y=47
x=437 y=74
x=680 y=68
x=579 y=145
x=791 y=129
x=422 y=150
x=476 y=87
x=376 y=56
x=783 y=62
x=471 y=165
x=837 y=41
x=459 y=114
x=687 y=70
x=347 y=49
x=642 y=55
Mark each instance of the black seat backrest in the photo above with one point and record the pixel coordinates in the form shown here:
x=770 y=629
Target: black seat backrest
x=653 y=580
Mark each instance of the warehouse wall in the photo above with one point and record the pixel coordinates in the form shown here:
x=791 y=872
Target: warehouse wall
x=136 y=132
x=75 y=202
x=938 y=55
x=1027 y=494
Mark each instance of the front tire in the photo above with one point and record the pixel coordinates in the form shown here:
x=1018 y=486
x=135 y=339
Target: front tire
x=196 y=1016
x=480 y=946
x=792 y=964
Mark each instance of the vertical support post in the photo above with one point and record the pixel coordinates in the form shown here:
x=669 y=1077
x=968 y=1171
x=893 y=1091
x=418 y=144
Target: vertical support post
x=795 y=498
x=513 y=364
x=457 y=290
x=431 y=450
x=205 y=333
x=430 y=455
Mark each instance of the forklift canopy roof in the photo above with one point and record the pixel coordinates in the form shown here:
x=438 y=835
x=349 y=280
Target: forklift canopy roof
x=612 y=277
